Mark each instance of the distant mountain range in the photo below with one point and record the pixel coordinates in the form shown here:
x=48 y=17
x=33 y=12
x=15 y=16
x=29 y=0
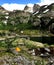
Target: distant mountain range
x=36 y=8
x=45 y=10
x=30 y=14
x=39 y=11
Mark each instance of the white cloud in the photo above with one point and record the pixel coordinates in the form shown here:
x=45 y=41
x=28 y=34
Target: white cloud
x=46 y=2
x=30 y=5
x=14 y=6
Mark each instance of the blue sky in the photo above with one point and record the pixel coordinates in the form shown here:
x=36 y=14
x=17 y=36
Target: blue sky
x=19 y=1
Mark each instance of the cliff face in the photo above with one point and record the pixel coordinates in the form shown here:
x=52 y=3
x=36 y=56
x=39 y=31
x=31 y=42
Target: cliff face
x=46 y=11
x=36 y=8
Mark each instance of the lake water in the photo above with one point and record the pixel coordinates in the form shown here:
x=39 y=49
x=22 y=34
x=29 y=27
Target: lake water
x=49 y=40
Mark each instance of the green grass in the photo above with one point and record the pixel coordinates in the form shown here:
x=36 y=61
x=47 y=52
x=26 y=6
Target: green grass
x=31 y=32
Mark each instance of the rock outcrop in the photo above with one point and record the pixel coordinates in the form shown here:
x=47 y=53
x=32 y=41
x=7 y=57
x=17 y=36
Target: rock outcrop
x=36 y=8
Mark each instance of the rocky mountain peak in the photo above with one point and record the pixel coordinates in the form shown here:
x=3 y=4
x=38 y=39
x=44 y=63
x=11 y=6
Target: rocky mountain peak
x=36 y=7
x=32 y=9
x=28 y=8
